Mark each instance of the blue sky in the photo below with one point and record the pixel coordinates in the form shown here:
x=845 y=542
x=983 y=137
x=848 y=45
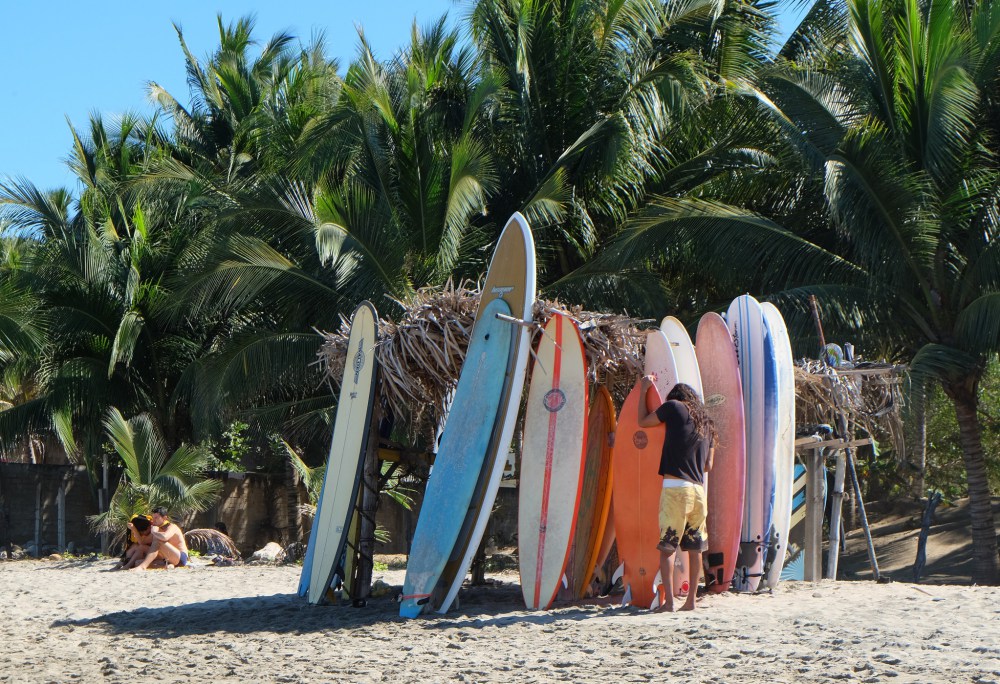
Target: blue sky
x=65 y=59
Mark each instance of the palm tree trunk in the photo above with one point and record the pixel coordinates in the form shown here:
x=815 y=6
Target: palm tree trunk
x=985 y=564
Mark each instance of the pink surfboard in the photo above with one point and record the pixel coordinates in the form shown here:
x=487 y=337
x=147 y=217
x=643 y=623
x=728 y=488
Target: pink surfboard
x=720 y=376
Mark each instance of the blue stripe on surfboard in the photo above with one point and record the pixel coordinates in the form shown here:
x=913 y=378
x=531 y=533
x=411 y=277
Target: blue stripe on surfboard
x=459 y=460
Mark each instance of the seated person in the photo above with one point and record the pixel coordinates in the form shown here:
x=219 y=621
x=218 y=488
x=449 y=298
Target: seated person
x=141 y=536
x=168 y=543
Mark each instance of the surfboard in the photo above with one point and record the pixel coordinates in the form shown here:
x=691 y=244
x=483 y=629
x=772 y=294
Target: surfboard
x=637 y=486
x=720 y=376
x=784 y=465
x=510 y=277
x=685 y=359
x=660 y=362
x=595 y=495
x=795 y=568
x=463 y=448
x=689 y=374
x=552 y=460
x=746 y=324
x=347 y=450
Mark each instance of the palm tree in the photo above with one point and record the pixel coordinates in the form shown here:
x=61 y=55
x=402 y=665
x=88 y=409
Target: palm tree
x=150 y=477
x=878 y=191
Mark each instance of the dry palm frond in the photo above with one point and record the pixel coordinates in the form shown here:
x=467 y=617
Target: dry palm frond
x=421 y=355
x=211 y=542
x=870 y=394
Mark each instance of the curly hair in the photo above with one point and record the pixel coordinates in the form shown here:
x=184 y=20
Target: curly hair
x=685 y=394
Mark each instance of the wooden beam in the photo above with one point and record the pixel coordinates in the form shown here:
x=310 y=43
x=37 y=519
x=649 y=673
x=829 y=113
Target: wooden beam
x=832 y=443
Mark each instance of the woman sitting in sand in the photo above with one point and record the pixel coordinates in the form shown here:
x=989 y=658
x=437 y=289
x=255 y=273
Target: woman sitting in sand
x=141 y=535
x=168 y=543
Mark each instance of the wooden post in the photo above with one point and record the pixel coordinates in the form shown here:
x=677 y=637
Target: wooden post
x=814 y=305
x=369 y=506
x=38 y=520
x=813 y=551
x=864 y=516
x=836 y=511
x=105 y=505
x=61 y=517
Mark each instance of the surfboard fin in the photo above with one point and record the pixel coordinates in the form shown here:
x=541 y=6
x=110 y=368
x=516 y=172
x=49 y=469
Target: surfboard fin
x=565 y=581
x=618 y=574
x=627 y=597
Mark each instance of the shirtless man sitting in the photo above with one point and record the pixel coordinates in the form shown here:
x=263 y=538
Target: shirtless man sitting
x=168 y=542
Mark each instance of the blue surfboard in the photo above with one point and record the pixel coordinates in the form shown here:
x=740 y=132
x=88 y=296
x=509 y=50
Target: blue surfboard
x=459 y=459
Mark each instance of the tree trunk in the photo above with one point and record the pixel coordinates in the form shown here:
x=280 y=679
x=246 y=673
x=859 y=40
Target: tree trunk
x=916 y=442
x=985 y=564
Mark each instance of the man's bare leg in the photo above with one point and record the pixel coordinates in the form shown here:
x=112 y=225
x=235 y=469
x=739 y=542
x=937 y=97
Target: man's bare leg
x=667 y=583
x=694 y=571
x=168 y=552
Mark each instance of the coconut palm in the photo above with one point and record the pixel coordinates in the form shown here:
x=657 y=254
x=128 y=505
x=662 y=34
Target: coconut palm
x=879 y=193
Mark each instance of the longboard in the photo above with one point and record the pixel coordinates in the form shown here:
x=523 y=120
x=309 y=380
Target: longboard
x=464 y=442
x=511 y=278
x=688 y=373
x=784 y=464
x=595 y=495
x=342 y=479
x=552 y=460
x=759 y=380
x=720 y=375
x=637 y=486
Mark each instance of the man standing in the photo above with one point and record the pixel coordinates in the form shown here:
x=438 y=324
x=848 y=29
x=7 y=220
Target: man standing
x=168 y=542
x=687 y=456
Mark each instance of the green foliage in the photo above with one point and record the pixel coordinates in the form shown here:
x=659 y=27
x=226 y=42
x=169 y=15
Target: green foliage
x=945 y=467
x=151 y=477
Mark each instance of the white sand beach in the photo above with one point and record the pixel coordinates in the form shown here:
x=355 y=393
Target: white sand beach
x=75 y=621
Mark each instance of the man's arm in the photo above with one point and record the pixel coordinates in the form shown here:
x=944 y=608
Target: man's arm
x=711 y=459
x=647 y=418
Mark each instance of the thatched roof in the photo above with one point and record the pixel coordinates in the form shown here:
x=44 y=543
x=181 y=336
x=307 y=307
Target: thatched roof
x=870 y=394
x=422 y=353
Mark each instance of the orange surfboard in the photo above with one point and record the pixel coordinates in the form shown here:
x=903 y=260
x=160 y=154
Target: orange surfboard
x=595 y=496
x=637 y=486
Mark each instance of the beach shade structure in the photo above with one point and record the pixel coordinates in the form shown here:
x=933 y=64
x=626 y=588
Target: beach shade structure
x=595 y=494
x=341 y=482
x=784 y=465
x=720 y=376
x=466 y=475
x=760 y=393
x=553 y=451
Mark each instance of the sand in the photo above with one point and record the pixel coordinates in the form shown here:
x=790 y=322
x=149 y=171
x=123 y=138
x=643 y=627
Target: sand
x=68 y=621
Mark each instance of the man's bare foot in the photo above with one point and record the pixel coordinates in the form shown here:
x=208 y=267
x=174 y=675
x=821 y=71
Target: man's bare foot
x=688 y=605
x=664 y=608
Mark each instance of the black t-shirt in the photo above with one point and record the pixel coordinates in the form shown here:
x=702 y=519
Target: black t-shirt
x=685 y=454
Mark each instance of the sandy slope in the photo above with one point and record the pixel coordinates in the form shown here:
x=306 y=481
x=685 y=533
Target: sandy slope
x=74 y=621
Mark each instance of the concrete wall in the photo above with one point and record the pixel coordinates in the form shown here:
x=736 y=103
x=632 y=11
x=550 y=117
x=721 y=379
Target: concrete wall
x=255 y=508
x=29 y=496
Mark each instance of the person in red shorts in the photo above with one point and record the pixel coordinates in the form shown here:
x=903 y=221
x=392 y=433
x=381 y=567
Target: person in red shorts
x=687 y=455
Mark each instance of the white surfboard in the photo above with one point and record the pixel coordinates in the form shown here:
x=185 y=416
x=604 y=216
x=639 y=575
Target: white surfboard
x=746 y=323
x=347 y=450
x=552 y=460
x=784 y=468
x=684 y=356
x=660 y=362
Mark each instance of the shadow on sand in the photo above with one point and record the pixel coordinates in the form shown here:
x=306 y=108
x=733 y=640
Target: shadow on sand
x=291 y=614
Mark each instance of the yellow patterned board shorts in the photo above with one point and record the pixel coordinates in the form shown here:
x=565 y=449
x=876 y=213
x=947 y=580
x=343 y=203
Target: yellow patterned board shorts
x=682 y=519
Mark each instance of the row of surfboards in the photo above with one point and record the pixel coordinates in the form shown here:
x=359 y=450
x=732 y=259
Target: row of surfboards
x=580 y=468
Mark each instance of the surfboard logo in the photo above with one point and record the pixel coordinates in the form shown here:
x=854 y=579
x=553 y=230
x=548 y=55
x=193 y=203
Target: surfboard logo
x=640 y=439
x=554 y=400
x=359 y=360
x=715 y=400
x=501 y=290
